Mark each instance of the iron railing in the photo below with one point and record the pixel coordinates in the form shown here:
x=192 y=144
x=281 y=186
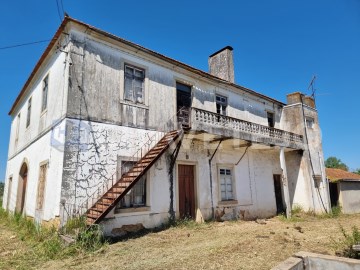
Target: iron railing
x=176 y=122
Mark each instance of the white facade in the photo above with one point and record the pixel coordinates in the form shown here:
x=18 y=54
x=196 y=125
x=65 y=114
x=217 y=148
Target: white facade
x=89 y=129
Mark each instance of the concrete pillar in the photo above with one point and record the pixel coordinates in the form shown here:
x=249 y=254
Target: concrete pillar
x=285 y=183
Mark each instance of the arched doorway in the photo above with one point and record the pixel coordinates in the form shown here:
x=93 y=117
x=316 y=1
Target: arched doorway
x=21 y=192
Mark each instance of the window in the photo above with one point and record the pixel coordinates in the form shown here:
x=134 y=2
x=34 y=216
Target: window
x=134 y=84
x=41 y=187
x=226 y=185
x=9 y=192
x=310 y=122
x=45 y=93
x=28 y=113
x=271 y=119
x=17 y=130
x=221 y=104
x=136 y=197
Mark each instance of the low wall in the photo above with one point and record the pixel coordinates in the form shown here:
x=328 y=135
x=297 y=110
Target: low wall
x=313 y=261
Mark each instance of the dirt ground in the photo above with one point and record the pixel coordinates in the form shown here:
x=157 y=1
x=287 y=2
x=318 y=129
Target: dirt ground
x=228 y=245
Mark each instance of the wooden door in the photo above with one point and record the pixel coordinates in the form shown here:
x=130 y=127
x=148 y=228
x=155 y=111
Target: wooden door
x=278 y=194
x=186 y=191
x=23 y=193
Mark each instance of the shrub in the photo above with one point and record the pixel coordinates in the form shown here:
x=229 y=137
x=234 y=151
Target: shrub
x=350 y=239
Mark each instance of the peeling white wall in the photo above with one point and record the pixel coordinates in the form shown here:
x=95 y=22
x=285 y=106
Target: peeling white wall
x=43 y=150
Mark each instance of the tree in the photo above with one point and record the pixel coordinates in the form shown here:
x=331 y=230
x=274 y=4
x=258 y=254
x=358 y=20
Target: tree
x=333 y=162
x=357 y=171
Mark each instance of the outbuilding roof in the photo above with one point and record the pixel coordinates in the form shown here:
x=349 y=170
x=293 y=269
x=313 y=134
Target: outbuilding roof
x=158 y=55
x=335 y=175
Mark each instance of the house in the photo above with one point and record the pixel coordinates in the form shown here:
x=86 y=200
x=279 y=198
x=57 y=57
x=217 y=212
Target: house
x=344 y=190
x=109 y=129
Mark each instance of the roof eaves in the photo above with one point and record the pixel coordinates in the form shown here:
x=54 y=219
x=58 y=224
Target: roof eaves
x=151 y=52
x=176 y=62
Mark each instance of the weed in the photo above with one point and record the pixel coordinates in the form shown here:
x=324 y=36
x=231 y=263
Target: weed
x=346 y=245
x=297 y=210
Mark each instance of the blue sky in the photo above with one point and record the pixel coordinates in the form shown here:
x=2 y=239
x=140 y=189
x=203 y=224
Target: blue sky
x=278 y=46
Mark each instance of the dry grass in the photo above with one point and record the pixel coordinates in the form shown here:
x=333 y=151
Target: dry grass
x=229 y=245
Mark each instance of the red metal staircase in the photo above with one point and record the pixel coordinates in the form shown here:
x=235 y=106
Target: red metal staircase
x=112 y=196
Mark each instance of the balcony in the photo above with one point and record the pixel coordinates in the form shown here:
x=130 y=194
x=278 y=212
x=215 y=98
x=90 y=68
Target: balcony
x=201 y=121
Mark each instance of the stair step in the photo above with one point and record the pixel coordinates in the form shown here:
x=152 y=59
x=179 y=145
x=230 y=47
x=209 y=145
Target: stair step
x=106 y=202
x=92 y=216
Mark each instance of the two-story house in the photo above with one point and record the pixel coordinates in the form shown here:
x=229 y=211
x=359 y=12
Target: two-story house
x=109 y=129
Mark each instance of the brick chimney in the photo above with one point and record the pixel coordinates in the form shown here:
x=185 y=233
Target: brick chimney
x=221 y=64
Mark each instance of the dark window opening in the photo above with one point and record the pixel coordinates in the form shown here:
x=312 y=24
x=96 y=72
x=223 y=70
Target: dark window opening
x=271 y=119
x=45 y=93
x=221 y=104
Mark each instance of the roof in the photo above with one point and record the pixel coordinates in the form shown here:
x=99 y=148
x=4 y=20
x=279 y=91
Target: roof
x=136 y=46
x=335 y=175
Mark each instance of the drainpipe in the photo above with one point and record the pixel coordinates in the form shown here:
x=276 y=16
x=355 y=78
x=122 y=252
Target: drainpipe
x=210 y=175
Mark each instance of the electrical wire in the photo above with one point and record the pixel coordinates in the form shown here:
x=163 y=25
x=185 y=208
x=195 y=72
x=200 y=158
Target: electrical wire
x=58 y=10
x=23 y=44
x=62 y=7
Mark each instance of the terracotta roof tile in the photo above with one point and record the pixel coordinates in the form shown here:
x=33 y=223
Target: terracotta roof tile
x=335 y=175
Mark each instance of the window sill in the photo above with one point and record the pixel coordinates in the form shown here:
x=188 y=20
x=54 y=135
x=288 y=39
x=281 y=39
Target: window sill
x=139 y=105
x=132 y=210
x=228 y=203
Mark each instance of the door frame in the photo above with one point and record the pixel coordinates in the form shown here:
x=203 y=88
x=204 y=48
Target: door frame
x=281 y=191
x=195 y=164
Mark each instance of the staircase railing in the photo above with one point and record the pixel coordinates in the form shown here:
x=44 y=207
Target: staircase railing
x=176 y=122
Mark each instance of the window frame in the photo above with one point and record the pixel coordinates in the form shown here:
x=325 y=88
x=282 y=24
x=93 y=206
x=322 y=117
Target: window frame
x=233 y=187
x=272 y=124
x=28 y=116
x=42 y=186
x=9 y=191
x=134 y=94
x=17 y=130
x=310 y=122
x=221 y=104
x=44 y=105
x=134 y=208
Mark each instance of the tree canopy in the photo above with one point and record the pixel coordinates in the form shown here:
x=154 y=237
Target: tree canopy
x=333 y=162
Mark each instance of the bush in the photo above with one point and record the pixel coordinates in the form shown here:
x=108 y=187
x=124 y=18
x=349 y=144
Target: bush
x=350 y=239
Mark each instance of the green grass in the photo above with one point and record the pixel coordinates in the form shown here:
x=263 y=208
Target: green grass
x=46 y=243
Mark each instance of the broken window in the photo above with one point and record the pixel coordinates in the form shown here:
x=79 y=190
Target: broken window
x=41 y=187
x=221 y=104
x=45 y=93
x=134 y=84
x=310 y=122
x=136 y=197
x=226 y=184
x=28 y=113
x=271 y=119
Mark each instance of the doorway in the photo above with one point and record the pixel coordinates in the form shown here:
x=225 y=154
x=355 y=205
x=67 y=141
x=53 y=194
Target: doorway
x=278 y=194
x=21 y=192
x=334 y=194
x=183 y=103
x=186 y=191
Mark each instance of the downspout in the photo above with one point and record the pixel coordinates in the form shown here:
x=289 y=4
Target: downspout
x=211 y=185
x=173 y=158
